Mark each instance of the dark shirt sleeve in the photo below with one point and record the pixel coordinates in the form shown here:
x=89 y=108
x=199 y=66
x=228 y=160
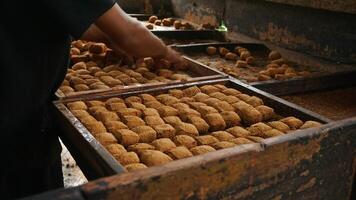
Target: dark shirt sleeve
x=77 y=15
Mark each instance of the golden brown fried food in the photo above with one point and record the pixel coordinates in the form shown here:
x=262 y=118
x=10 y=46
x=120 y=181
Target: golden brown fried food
x=114 y=100
x=215 y=121
x=267 y=112
x=272 y=133
x=140 y=147
x=152 y=19
x=95 y=127
x=231 y=56
x=279 y=126
x=241 y=140
x=80 y=113
x=179 y=153
x=154 y=104
x=106 y=116
x=147 y=98
x=165 y=131
x=223 y=51
x=220 y=87
x=241 y=64
x=116 y=106
x=74 y=51
x=211 y=101
x=124 y=112
x=222 y=106
x=310 y=124
x=191 y=91
x=166 y=73
x=150 y=26
x=112 y=126
x=186 y=100
x=201 y=149
x=186 y=129
x=150 y=112
x=250 y=60
x=247 y=113
x=176 y=93
x=254 y=101
x=166 y=22
x=199 y=123
x=158 y=22
x=238 y=131
x=231 y=99
x=127 y=158
x=115 y=148
x=231 y=91
x=133 y=121
x=95 y=103
x=163 y=144
x=97 y=48
x=95 y=109
x=77 y=105
x=187 y=112
x=79 y=66
x=293 y=122
x=166 y=111
x=206 y=140
x=218 y=95
x=222 y=135
x=196 y=105
x=145 y=133
x=223 y=145
x=179 y=106
x=169 y=100
x=136 y=105
x=105 y=138
x=154 y=120
x=231 y=118
x=255 y=138
x=126 y=137
x=132 y=99
x=135 y=166
x=210 y=50
x=185 y=140
x=259 y=129
x=177 y=24
x=201 y=97
x=66 y=89
x=172 y=120
x=274 y=55
x=154 y=157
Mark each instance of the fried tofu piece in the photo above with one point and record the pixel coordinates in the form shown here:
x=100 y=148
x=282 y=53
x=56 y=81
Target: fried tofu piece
x=198 y=150
x=115 y=148
x=163 y=144
x=310 y=124
x=165 y=131
x=188 y=112
x=206 y=140
x=238 y=131
x=172 y=120
x=279 y=126
x=147 y=98
x=127 y=158
x=166 y=111
x=115 y=125
x=140 y=147
x=95 y=127
x=126 y=137
x=223 y=145
x=185 y=140
x=208 y=89
x=201 y=97
x=199 y=123
x=215 y=121
x=105 y=138
x=247 y=113
x=154 y=104
x=267 y=112
x=222 y=135
x=150 y=112
x=77 y=105
x=179 y=153
x=241 y=140
x=179 y=106
x=293 y=122
x=272 y=133
x=124 y=112
x=186 y=129
x=154 y=120
x=204 y=110
x=254 y=101
x=133 y=121
x=191 y=91
x=176 y=93
x=259 y=128
x=231 y=118
x=154 y=158
x=145 y=133
x=135 y=166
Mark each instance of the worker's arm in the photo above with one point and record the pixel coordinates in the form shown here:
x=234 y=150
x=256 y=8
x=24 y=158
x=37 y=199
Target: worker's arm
x=125 y=33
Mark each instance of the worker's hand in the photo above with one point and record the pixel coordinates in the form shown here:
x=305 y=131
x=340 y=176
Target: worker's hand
x=175 y=58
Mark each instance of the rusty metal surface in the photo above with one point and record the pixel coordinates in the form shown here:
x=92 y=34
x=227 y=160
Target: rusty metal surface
x=312 y=164
x=348 y=6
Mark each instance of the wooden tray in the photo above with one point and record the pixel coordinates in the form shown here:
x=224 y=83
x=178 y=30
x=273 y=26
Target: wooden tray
x=198 y=71
x=321 y=78
x=83 y=145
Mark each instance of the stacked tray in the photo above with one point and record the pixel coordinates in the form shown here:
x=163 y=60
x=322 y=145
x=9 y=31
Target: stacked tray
x=266 y=69
x=175 y=122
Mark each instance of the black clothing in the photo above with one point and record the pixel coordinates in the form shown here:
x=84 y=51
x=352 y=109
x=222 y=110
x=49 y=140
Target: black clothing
x=35 y=40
